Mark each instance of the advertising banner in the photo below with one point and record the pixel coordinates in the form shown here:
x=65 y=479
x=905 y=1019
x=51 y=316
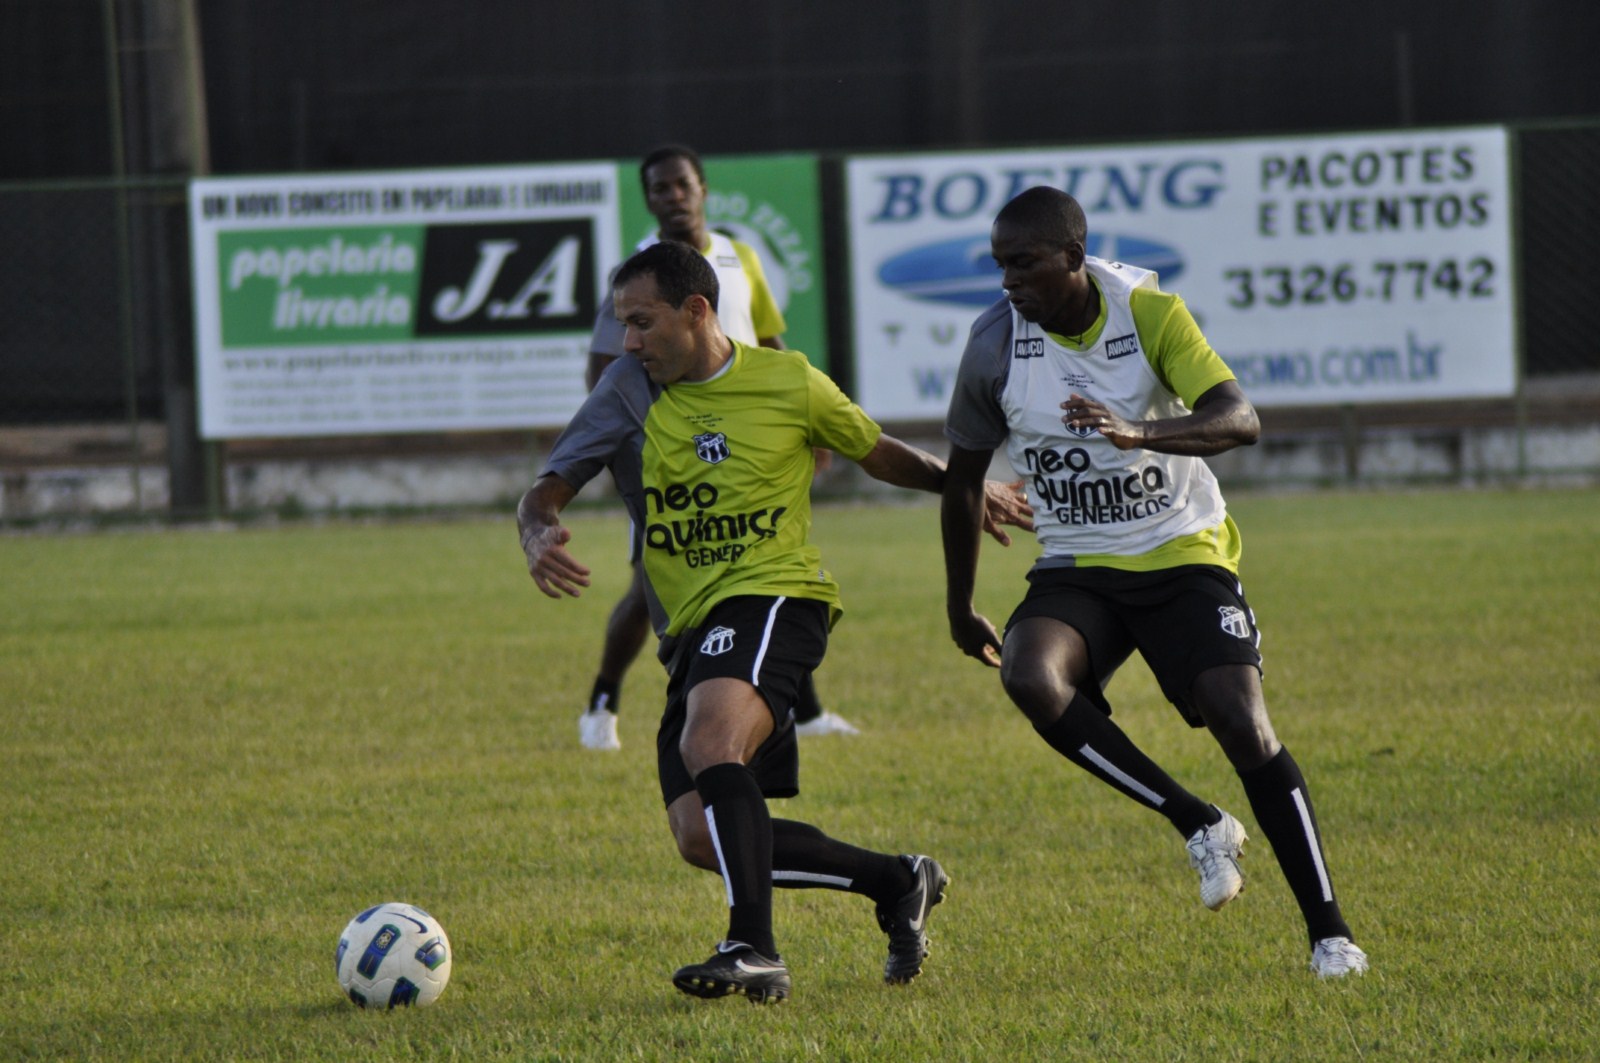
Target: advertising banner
x=409 y=301
x=1325 y=270
x=772 y=204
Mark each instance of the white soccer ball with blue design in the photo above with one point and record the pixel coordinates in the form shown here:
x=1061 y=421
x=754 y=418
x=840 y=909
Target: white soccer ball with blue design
x=393 y=955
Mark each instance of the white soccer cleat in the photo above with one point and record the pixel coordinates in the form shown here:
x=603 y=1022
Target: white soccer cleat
x=597 y=729
x=1337 y=957
x=829 y=723
x=1214 y=851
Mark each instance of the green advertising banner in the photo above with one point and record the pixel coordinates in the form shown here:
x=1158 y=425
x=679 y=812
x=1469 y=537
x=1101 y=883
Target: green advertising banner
x=292 y=287
x=771 y=203
x=398 y=301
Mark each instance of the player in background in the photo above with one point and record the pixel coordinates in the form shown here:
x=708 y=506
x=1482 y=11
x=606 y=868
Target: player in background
x=1107 y=398
x=711 y=442
x=674 y=183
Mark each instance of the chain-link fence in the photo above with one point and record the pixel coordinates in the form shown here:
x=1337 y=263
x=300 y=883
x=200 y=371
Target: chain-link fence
x=67 y=354
x=93 y=327
x=96 y=362
x=1559 y=230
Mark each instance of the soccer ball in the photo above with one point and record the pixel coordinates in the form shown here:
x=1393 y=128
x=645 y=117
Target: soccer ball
x=393 y=955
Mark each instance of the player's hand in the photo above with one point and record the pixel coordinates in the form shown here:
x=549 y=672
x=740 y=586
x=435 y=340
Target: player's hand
x=1005 y=504
x=552 y=568
x=1082 y=412
x=976 y=637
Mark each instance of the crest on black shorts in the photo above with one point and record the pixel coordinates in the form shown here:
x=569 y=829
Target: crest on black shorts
x=719 y=640
x=712 y=447
x=1234 y=622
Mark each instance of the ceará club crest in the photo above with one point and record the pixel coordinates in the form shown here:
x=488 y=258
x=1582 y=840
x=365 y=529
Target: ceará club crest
x=712 y=447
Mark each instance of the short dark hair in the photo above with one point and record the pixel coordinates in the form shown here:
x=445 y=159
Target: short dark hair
x=1050 y=214
x=680 y=271
x=671 y=151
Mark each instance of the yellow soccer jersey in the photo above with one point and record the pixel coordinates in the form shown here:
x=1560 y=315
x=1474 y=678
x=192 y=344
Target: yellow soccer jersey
x=726 y=468
x=764 y=312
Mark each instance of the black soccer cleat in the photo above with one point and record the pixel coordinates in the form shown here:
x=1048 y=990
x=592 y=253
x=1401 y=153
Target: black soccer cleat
x=905 y=921
x=736 y=968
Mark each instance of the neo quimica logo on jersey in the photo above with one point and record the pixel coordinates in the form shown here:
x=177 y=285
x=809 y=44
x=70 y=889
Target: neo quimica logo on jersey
x=962 y=271
x=681 y=519
x=1063 y=483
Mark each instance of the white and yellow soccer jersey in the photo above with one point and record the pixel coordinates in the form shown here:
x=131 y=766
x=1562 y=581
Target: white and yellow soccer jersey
x=1144 y=358
x=717 y=473
x=745 y=304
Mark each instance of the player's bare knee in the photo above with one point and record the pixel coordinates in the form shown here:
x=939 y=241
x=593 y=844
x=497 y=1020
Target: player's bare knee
x=1230 y=702
x=686 y=818
x=693 y=839
x=1244 y=733
x=697 y=852
x=1040 y=696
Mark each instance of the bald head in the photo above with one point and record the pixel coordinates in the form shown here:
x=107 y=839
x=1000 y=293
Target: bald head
x=1048 y=215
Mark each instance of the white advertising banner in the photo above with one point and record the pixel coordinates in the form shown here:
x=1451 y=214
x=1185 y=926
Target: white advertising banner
x=1325 y=270
x=408 y=301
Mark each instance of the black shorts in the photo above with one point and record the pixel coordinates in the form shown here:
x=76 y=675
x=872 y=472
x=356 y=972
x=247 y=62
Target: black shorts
x=1181 y=620
x=772 y=644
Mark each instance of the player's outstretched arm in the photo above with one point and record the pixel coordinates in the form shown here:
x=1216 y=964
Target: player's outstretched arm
x=544 y=540
x=961 y=518
x=898 y=463
x=903 y=465
x=1221 y=420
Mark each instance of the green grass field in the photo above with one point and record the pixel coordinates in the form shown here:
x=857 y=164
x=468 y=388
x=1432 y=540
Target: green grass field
x=220 y=745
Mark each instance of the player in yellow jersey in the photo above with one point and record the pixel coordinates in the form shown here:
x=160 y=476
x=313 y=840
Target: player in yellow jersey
x=712 y=443
x=674 y=183
x=1107 y=399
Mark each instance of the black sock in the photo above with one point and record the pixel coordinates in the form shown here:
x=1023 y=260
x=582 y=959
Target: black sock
x=806 y=705
x=605 y=695
x=805 y=858
x=1282 y=806
x=1087 y=737
x=741 y=833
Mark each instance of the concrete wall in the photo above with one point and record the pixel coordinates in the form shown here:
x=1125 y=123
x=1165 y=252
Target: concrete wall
x=1468 y=455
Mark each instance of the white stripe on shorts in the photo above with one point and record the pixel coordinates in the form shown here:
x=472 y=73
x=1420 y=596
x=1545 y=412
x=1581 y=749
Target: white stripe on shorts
x=766 y=638
x=1238 y=588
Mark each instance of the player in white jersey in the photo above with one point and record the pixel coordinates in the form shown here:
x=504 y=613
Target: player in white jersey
x=674 y=183
x=1108 y=398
